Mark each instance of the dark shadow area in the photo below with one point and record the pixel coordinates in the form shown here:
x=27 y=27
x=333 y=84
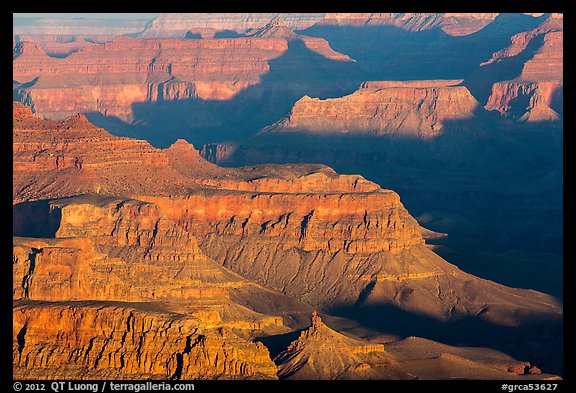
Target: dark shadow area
x=20 y=337
x=539 y=342
x=295 y=73
x=493 y=186
x=35 y=219
x=279 y=342
x=481 y=80
x=196 y=36
x=392 y=53
x=557 y=101
x=227 y=34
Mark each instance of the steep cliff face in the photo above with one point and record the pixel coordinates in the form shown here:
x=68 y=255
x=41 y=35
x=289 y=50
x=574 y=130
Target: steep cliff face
x=94 y=340
x=130 y=295
x=380 y=108
x=173 y=88
x=109 y=77
x=175 y=243
x=527 y=101
x=536 y=93
x=50 y=159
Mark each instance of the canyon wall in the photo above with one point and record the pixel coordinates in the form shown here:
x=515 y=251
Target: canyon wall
x=234 y=253
x=536 y=92
x=380 y=108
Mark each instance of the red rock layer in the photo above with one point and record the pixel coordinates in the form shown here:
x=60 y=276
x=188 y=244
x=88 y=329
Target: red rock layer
x=50 y=159
x=527 y=101
x=110 y=78
x=380 y=108
x=91 y=340
x=326 y=239
x=128 y=295
x=537 y=93
x=521 y=40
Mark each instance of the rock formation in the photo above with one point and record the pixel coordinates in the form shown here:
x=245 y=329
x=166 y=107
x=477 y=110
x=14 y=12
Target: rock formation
x=536 y=92
x=309 y=217
x=95 y=225
x=380 y=108
x=110 y=77
x=177 y=25
x=195 y=86
x=322 y=353
x=456 y=24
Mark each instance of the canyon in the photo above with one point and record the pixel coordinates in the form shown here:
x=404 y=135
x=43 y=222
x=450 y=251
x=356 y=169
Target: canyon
x=289 y=196
x=219 y=258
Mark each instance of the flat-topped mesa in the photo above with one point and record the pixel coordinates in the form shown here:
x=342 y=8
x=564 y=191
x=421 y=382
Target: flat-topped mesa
x=349 y=222
x=382 y=108
x=418 y=84
x=109 y=78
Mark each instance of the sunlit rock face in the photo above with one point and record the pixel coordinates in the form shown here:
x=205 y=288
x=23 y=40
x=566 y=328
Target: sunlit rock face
x=379 y=108
x=536 y=93
x=136 y=262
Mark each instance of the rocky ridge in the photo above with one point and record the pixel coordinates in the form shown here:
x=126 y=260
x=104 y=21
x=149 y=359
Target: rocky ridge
x=341 y=240
x=379 y=108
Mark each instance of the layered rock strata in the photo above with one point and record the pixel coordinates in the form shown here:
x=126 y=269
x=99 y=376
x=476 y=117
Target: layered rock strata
x=379 y=108
x=536 y=93
x=338 y=242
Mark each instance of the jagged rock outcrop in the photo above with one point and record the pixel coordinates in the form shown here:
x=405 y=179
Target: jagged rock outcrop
x=50 y=160
x=338 y=242
x=97 y=340
x=536 y=93
x=62 y=45
x=322 y=353
x=382 y=108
